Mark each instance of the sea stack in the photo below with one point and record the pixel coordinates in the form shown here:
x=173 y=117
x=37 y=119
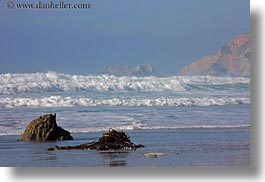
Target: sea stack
x=45 y=129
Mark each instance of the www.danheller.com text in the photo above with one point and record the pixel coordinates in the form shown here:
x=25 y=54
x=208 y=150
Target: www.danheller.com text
x=48 y=5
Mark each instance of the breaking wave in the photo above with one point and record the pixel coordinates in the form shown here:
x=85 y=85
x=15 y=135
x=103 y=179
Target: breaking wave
x=59 y=101
x=54 y=82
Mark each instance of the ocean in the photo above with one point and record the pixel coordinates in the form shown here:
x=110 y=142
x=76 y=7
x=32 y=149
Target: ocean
x=176 y=113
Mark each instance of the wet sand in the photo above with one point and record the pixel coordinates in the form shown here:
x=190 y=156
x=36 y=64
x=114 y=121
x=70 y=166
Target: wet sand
x=176 y=147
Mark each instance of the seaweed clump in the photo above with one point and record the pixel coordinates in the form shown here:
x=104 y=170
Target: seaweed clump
x=112 y=140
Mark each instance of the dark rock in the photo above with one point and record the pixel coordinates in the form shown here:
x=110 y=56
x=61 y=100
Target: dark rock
x=45 y=129
x=113 y=140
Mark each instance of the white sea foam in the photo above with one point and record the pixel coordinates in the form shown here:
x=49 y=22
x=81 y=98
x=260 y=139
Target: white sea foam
x=212 y=80
x=59 y=101
x=52 y=82
x=136 y=127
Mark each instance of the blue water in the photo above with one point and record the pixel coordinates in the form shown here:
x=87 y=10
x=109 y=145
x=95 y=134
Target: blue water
x=198 y=120
x=91 y=103
x=101 y=118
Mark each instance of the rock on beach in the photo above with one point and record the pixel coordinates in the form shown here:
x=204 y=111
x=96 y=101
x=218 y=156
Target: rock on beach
x=45 y=129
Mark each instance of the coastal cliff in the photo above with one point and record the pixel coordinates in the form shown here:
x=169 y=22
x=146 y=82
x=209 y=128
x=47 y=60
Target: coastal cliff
x=233 y=59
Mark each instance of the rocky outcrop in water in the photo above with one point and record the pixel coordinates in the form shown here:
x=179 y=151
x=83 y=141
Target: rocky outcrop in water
x=144 y=70
x=233 y=59
x=45 y=129
x=141 y=70
x=112 y=140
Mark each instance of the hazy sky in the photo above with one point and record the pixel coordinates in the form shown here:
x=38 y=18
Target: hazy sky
x=169 y=34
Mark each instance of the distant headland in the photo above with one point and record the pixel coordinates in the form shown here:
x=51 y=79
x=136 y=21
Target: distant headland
x=233 y=59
